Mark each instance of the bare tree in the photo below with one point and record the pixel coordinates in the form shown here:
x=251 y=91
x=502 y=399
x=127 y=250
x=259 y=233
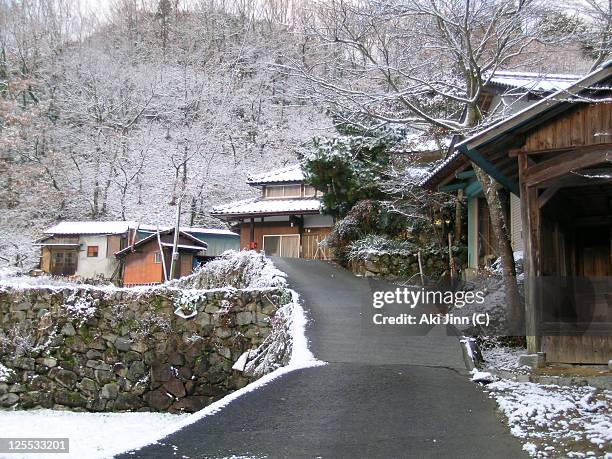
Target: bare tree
x=402 y=62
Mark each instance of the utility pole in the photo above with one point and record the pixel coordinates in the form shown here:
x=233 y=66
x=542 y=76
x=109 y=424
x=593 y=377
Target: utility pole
x=175 y=253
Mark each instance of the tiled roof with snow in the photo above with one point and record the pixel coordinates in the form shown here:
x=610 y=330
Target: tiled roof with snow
x=538 y=82
x=285 y=175
x=258 y=206
x=89 y=227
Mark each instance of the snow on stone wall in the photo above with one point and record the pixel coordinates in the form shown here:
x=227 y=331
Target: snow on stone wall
x=108 y=349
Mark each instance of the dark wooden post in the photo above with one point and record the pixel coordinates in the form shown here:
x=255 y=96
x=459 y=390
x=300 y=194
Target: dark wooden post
x=530 y=217
x=252 y=233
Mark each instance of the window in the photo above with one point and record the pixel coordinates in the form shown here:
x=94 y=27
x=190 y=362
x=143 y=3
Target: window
x=283 y=191
x=157 y=257
x=309 y=191
x=92 y=251
x=282 y=245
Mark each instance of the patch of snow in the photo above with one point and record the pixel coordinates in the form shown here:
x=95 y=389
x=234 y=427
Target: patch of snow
x=5 y=373
x=483 y=377
x=556 y=421
x=503 y=358
x=92 y=435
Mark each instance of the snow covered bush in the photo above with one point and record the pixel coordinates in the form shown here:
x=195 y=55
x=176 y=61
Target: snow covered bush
x=379 y=245
x=275 y=351
x=244 y=269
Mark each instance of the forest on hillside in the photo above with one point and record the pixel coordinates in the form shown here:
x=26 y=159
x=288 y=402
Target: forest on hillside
x=117 y=113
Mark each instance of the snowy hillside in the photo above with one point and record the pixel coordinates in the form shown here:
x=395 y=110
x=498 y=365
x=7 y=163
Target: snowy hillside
x=140 y=111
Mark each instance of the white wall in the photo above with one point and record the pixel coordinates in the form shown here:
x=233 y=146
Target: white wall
x=90 y=267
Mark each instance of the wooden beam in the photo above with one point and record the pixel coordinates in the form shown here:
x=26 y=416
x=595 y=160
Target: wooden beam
x=564 y=164
x=453 y=187
x=473 y=189
x=530 y=214
x=491 y=170
x=596 y=220
x=577 y=148
x=546 y=196
x=465 y=174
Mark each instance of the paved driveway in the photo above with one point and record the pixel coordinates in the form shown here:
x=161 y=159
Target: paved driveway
x=379 y=396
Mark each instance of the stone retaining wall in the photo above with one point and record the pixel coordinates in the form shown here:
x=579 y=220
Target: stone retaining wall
x=126 y=349
x=399 y=266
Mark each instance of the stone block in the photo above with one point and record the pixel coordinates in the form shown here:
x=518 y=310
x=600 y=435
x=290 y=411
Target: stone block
x=160 y=373
x=532 y=360
x=175 y=387
x=158 y=399
x=69 y=398
x=8 y=400
x=109 y=391
x=123 y=344
x=68 y=330
x=66 y=378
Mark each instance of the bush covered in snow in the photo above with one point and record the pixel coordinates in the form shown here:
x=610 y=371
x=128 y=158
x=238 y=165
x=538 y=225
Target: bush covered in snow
x=244 y=269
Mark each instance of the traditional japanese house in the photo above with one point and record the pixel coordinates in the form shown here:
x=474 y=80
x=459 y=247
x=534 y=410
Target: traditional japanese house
x=553 y=161
x=85 y=249
x=285 y=220
x=148 y=261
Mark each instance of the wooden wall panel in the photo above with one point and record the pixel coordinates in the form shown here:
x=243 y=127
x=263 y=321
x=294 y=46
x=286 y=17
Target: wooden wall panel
x=140 y=267
x=577 y=349
x=579 y=127
x=266 y=228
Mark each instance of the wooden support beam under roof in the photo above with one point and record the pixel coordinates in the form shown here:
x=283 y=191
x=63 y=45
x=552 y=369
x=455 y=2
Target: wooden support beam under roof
x=490 y=169
x=566 y=163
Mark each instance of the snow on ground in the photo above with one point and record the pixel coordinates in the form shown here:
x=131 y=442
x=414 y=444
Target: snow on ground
x=12 y=277
x=557 y=421
x=92 y=435
x=504 y=358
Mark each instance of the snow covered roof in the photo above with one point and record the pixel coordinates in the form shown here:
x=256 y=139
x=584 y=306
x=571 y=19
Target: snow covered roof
x=287 y=174
x=537 y=82
x=89 y=227
x=190 y=230
x=257 y=206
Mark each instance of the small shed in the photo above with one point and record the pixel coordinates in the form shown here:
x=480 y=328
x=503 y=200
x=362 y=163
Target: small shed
x=148 y=261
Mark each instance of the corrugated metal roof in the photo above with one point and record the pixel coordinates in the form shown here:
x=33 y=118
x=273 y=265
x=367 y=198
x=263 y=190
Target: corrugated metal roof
x=258 y=206
x=285 y=175
x=90 y=227
x=538 y=82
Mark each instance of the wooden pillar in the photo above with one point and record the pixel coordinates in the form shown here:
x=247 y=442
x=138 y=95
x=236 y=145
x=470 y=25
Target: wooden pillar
x=252 y=233
x=530 y=218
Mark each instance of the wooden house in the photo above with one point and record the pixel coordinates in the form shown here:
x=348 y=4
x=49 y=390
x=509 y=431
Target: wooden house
x=284 y=220
x=217 y=240
x=148 y=260
x=553 y=162
x=506 y=94
x=85 y=249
